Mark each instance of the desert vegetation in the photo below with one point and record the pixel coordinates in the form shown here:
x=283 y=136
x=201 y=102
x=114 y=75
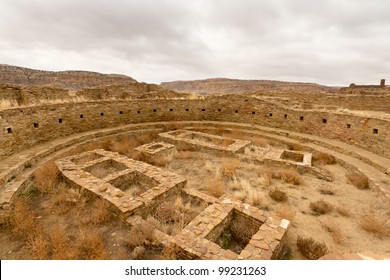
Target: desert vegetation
x=55 y=221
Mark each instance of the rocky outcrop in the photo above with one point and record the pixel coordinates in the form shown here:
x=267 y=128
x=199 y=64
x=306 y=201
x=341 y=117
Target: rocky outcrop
x=221 y=85
x=14 y=75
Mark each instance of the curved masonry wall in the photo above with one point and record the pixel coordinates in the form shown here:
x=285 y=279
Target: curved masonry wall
x=23 y=127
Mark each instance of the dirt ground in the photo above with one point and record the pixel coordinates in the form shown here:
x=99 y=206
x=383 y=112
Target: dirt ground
x=65 y=224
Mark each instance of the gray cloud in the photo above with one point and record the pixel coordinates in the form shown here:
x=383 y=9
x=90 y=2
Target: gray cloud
x=329 y=42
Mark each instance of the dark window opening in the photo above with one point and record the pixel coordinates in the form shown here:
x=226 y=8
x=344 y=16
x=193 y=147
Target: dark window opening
x=324 y=120
x=138 y=112
x=9 y=129
x=102 y=114
x=253 y=112
x=219 y=110
x=187 y=110
x=120 y=112
x=36 y=125
x=301 y=118
x=236 y=111
x=60 y=120
x=154 y=110
x=203 y=110
x=170 y=110
x=348 y=125
x=270 y=114
x=375 y=131
x=81 y=116
x=285 y=116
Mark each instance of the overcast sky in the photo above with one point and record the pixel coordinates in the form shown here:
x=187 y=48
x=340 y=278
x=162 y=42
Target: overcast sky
x=332 y=42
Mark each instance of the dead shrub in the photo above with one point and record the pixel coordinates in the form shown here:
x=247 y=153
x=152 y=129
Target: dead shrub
x=165 y=212
x=286 y=211
x=321 y=207
x=343 y=211
x=310 y=248
x=39 y=247
x=229 y=167
x=241 y=231
x=59 y=244
x=290 y=176
x=294 y=147
x=359 y=180
x=23 y=221
x=61 y=200
x=254 y=198
x=375 y=223
x=100 y=212
x=140 y=235
x=278 y=195
x=124 y=146
x=215 y=187
x=334 y=231
x=91 y=246
x=326 y=190
x=323 y=158
x=46 y=177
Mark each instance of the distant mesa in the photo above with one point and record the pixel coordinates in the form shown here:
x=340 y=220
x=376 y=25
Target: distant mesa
x=74 y=80
x=222 y=85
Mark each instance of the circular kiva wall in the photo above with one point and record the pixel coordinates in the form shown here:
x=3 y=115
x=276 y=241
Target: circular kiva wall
x=24 y=127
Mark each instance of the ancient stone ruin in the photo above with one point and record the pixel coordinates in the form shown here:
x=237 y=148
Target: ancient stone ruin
x=136 y=171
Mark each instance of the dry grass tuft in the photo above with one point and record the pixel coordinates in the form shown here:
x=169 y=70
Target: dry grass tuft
x=290 y=176
x=334 y=231
x=91 y=246
x=343 y=211
x=323 y=158
x=254 y=198
x=321 y=207
x=286 y=211
x=100 y=212
x=140 y=235
x=165 y=212
x=229 y=167
x=326 y=190
x=124 y=146
x=311 y=249
x=23 y=221
x=241 y=230
x=278 y=195
x=375 y=223
x=359 y=180
x=295 y=147
x=46 y=177
x=215 y=187
x=60 y=245
x=39 y=247
x=62 y=200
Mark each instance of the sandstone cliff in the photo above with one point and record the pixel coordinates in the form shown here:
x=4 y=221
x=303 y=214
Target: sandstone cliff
x=221 y=85
x=14 y=75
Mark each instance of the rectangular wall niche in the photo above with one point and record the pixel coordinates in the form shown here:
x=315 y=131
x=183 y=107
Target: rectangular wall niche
x=9 y=129
x=375 y=131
